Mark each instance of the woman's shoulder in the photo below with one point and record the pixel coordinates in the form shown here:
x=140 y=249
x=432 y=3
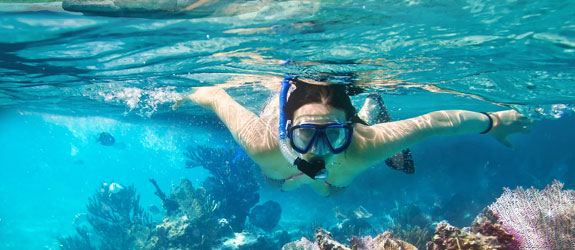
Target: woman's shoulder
x=271 y=107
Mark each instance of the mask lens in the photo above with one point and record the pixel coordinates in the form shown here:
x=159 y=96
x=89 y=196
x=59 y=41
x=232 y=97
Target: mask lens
x=302 y=137
x=337 y=137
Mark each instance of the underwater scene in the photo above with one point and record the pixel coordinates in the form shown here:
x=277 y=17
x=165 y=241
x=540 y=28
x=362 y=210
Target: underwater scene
x=139 y=124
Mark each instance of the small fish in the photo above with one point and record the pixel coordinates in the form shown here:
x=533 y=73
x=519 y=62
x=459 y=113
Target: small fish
x=154 y=209
x=115 y=188
x=361 y=213
x=106 y=139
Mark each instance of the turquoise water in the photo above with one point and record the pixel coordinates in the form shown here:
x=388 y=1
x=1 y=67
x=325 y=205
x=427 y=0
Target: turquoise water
x=67 y=77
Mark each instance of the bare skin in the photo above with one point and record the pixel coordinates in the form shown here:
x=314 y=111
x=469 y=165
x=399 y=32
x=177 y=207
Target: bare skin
x=370 y=144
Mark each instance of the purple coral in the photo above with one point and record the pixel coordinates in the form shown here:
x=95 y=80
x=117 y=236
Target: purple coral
x=539 y=219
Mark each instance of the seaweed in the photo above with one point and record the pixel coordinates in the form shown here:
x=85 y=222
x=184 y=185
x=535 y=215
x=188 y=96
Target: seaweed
x=115 y=218
x=233 y=182
x=415 y=235
x=121 y=207
x=77 y=242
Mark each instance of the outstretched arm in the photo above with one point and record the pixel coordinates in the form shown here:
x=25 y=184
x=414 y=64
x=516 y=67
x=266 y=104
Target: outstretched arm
x=380 y=141
x=251 y=132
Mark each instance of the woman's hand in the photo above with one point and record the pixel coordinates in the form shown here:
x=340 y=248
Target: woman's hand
x=509 y=122
x=204 y=96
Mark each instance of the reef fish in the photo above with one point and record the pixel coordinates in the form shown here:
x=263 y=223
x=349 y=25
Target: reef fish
x=154 y=209
x=106 y=139
x=115 y=188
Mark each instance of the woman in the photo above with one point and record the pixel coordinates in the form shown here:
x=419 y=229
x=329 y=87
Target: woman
x=322 y=142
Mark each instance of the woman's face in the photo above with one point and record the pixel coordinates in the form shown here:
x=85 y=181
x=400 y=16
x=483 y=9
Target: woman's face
x=318 y=113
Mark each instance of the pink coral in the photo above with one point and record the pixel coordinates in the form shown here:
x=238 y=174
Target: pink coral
x=539 y=219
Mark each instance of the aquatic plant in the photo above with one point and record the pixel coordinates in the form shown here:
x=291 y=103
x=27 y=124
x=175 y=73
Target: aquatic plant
x=233 y=182
x=411 y=224
x=78 y=242
x=539 y=219
x=121 y=206
x=114 y=215
x=115 y=218
x=415 y=235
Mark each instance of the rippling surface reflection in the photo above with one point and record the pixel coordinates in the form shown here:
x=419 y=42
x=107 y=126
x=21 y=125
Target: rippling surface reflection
x=514 y=53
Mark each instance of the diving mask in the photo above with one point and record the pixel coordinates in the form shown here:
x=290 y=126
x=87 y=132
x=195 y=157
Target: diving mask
x=335 y=136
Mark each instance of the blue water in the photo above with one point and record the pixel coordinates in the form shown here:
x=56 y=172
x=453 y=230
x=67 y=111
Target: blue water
x=67 y=77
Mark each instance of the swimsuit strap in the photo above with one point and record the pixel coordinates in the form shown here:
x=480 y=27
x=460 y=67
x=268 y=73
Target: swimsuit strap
x=333 y=189
x=293 y=177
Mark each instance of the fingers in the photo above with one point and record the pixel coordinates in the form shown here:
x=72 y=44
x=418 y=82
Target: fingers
x=183 y=100
x=178 y=103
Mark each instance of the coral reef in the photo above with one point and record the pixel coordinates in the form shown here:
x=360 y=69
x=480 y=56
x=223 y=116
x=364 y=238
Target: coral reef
x=384 y=241
x=324 y=241
x=171 y=206
x=114 y=215
x=351 y=223
x=250 y=241
x=539 y=219
x=193 y=225
x=413 y=234
x=302 y=244
x=266 y=216
x=116 y=221
x=448 y=237
x=487 y=225
x=411 y=224
x=115 y=218
x=206 y=217
x=233 y=182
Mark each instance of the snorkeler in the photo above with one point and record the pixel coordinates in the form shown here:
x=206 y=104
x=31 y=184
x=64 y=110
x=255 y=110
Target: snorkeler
x=322 y=142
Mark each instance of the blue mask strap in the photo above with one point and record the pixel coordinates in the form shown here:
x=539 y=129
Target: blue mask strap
x=283 y=98
x=314 y=169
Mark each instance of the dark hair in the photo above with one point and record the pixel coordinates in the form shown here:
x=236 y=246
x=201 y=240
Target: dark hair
x=334 y=95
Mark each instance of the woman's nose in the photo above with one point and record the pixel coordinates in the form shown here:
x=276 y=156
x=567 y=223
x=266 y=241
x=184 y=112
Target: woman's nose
x=320 y=147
